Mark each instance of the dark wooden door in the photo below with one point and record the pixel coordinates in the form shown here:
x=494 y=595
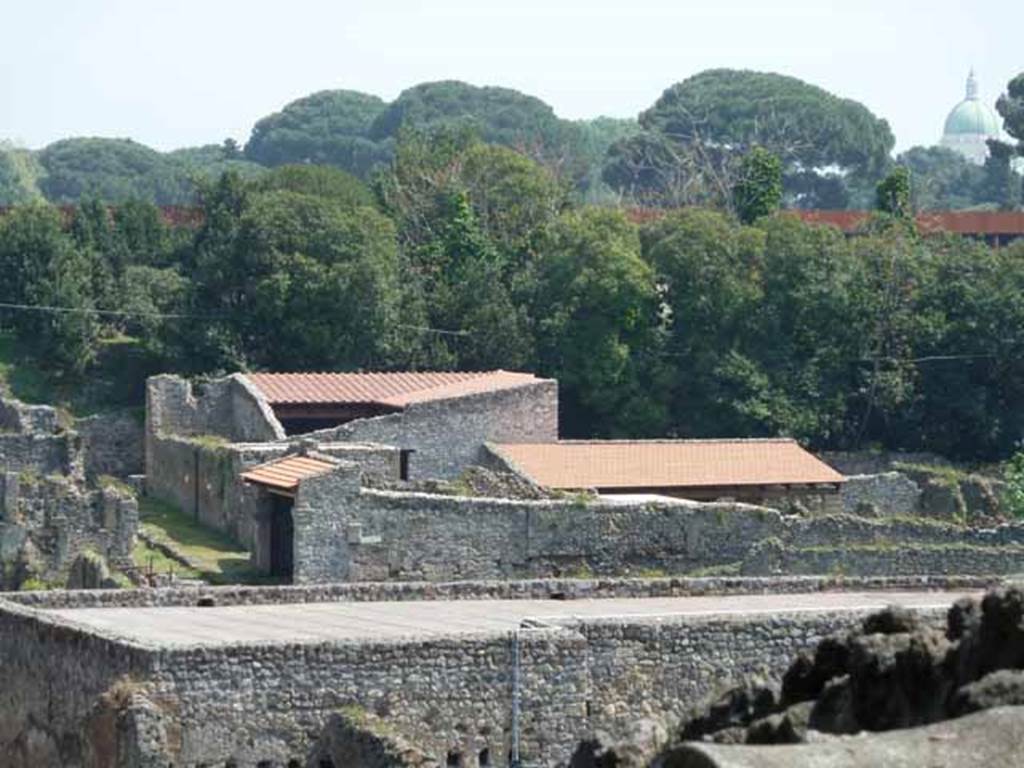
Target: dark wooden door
x=282 y=539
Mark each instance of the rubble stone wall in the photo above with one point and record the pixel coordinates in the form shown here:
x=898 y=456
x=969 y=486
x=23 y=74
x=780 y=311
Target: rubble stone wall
x=449 y=435
x=889 y=494
x=114 y=443
x=51 y=681
x=46 y=522
x=230 y=408
x=348 y=533
x=449 y=696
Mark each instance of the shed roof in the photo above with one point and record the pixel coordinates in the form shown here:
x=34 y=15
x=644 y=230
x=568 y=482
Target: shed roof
x=286 y=473
x=395 y=390
x=667 y=463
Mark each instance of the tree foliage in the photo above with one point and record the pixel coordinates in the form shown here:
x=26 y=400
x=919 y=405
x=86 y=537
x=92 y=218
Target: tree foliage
x=1011 y=107
x=113 y=170
x=325 y=128
x=757 y=191
x=699 y=128
x=893 y=194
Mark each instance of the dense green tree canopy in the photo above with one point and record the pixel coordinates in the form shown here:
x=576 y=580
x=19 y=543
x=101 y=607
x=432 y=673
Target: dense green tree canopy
x=327 y=128
x=698 y=130
x=941 y=179
x=1011 y=107
x=801 y=123
x=294 y=280
x=319 y=181
x=596 y=313
x=19 y=176
x=757 y=191
x=113 y=170
x=211 y=160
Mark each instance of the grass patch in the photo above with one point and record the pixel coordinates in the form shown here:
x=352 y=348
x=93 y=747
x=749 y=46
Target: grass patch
x=115 y=484
x=156 y=561
x=209 y=442
x=218 y=558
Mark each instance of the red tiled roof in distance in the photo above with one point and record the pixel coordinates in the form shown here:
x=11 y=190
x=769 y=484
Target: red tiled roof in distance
x=286 y=473
x=983 y=223
x=388 y=389
x=667 y=463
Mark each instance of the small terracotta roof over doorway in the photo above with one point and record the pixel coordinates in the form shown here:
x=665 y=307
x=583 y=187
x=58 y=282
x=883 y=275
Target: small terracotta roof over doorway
x=395 y=390
x=611 y=464
x=286 y=473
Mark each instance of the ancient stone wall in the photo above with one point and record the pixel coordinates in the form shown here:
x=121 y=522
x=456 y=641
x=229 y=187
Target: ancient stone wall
x=889 y=494
x=449 y=435
x=663 y=667
x=46 y=522
x=229 y=408
x=202 y=478
x=877 y=462
x=36 y=439
x=348 y=533
x=114 y=443
x=52 y=680
x=533 y=589
x=264 y=704
x=772 y=557
x=447 y=695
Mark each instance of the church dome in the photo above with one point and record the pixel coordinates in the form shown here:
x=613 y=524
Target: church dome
x=971 y=123
x=973 y=116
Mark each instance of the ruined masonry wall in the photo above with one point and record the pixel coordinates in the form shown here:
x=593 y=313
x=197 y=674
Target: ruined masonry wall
x=229 y=408
x=344 y=533
x=45 y=523
x=449 y=435
x=253 y=703
x=892 y=494
x=202 y=479
x=50 y=681
x=533 y=589
x=114 y=444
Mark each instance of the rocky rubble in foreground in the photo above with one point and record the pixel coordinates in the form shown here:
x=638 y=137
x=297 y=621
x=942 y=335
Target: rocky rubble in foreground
x=896 y=673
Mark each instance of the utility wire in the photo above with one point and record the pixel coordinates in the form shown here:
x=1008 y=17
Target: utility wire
x=179 y=316
x=105 y=312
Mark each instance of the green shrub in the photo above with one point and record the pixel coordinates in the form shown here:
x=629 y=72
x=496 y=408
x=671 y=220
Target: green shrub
x=1013 y=474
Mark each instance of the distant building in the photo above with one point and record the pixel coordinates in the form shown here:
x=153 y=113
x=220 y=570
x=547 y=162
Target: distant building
x=997 y=228
x=970 y=125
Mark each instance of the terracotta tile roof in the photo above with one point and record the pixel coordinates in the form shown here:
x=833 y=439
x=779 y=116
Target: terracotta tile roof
x=990 y=223
x=388 y=389
x=667 y=463
x=285 y=474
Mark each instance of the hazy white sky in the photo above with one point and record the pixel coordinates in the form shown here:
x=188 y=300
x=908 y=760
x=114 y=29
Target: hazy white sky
x=174 y=73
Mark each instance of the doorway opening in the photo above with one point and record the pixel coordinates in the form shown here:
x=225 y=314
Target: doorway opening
x=282 y=539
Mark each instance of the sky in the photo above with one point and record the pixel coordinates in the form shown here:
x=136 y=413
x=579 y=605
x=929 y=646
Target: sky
x=173 y=73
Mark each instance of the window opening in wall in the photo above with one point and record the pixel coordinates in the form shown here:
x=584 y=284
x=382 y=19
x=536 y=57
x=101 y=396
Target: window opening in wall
x=403 y=463
x=454 y=759
x=484 y=758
